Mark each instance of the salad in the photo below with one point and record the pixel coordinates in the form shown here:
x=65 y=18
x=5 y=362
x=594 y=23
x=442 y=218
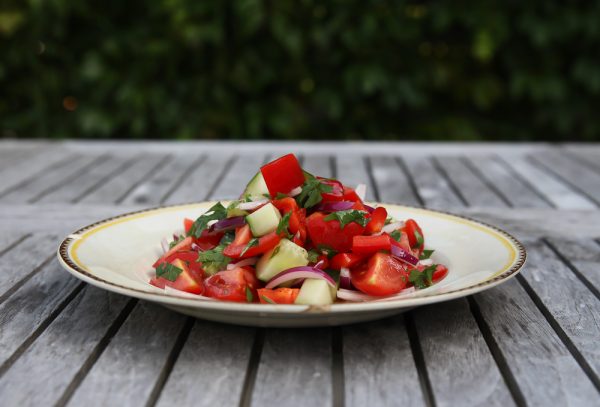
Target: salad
x=296 y=238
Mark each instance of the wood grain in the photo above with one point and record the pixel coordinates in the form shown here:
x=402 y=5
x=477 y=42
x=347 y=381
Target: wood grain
x=584 y=255
x=433 y=188
x=393 y=184
x=351 y=170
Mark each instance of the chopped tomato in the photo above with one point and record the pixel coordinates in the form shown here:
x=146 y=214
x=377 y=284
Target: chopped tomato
x=186 y=281
x=346 y=260
x=415 y=235
x=237 y=285
x=337 y=190
x=283 y=174
x=187 y=225
x=403 y=243
x=377 y=221
x=265 y=243
x=297 y=226
x=382 y=275
x=208 y=241
x=278 y=296
x=351 y=195
x=440 y=272
x=329 y=234
x=184 y=245
x=242 y=235
x=189 y=257
x=370 y=244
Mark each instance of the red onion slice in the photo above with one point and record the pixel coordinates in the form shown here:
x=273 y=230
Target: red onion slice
x=228 y=224
x=295 y=191
x=403 y=255
x=246 y=262
x=164 y=244
x=357 y=296
x=319 y=264
x=299 y=272
x=248 y=206
x=369 y=209
x=392 y=226
x=345 y=281
x=335 y=206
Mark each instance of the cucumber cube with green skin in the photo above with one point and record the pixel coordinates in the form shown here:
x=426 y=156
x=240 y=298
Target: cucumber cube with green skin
x=314 y=292
x=264 y=220
x=233 y=210
x=256 y=188
x=282 y=257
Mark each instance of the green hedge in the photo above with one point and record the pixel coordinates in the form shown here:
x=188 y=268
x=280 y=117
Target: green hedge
x=300 y=69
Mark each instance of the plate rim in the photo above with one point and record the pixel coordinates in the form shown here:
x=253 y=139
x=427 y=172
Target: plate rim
x=368 y=306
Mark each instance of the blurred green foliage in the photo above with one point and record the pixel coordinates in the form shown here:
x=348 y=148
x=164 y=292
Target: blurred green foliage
x=309 y=69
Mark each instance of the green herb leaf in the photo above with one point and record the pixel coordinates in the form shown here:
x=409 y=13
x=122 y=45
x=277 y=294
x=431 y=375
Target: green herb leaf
x=214 y=260
x=396 y=235
x=216 y=212
x=284 y=223
x=168 y=271
x=253 y=242
x=311 y=191
x=422 y=279
x=350 y=215
x=327 y=250
x=313 y=256
x=426 y=254
x=280 y=195
x=176 y=241
x=249 y=295
x=419 y=239
x=388 y=221
x=267 y=299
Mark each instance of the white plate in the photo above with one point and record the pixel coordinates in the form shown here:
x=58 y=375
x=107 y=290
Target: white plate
x=117 y=253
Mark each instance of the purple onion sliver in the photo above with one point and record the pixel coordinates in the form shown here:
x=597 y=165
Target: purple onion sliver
x=299 y=272
x=403 y=255
x=195 y=247
x=228 y=224
x=345 y=281
x=369 y=209
x=335 y=206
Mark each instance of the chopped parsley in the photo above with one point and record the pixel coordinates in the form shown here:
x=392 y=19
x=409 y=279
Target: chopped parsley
x=388 y=221
x=422 y=279
x=347 y=216
x=281 y=195
x=214 y=260
x=216 y=212
x=327 y=250
x=253 y=242
x=168 y=271
x=311 y=191
x=313 y=256
x=426 y=254
x=419 y=238
x=396 y=235
x=283 y=225
x=249 y=295
x=267 y=299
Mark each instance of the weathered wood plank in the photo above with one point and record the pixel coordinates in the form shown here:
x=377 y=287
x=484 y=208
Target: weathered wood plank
x=583 y=254
x=301 y=377
x=318 y=165
x=392 y=183
x=24 y=259
x=25 y=172
x=27 y=309
x=9 y=239
x=459 y=364
x=554 y=190
x=124 y=375
x=433 y=188
x=586 y=180
x=470 y=186
x=201 y=179
x=211 y=367
x=351 y=170
x=506 y=182
x=87 y=181
x=571 y=304
x=62 y=349
x=50 y=180
x=379 y=368
x=541 y=365
x=118 y=187
x=240 y=172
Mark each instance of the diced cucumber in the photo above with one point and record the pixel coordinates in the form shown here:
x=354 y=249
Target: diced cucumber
x=256 y=188
x=284 y=256
x=233 y=210
x=264 y=220
x=314 y=292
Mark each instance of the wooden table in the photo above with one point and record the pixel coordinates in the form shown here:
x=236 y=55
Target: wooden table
x=532 y=341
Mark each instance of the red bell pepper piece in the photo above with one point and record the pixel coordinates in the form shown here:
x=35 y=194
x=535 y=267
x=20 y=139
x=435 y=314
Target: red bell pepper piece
x=283 y=174
x=370 y=244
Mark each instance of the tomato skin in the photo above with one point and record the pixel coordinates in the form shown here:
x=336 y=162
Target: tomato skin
x=382 y=275
x=281 y=295
x=403 y=243
x=208 y=241
x=337 y=192
x=329 y=234
x=187 y=225
x=265 y=243
x=297 y=224
x=242 y=235
x=186 y=281
x=184 y=245
x=230 y=285
x=346 y=260
x=377 y=221
x=410 y=227
x=370 y=244
x=440 y=272
x=351 y=195
x=283 y=174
